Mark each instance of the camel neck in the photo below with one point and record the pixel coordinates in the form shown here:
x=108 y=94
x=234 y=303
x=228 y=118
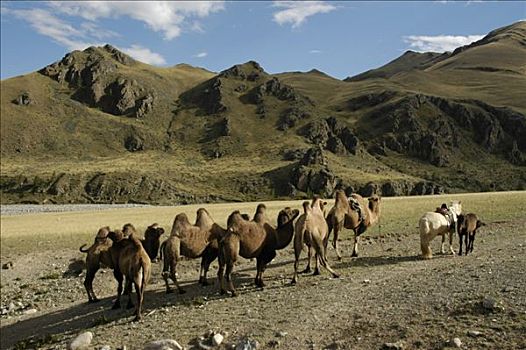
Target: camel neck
x=284 y=235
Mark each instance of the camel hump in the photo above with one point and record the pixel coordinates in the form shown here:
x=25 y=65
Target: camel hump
x=306 y=207
x=340 y=195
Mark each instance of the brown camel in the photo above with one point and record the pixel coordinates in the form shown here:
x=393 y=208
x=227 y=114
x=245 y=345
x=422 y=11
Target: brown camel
x=204 y=221
x=151 y=241
x=250 y=239
x=311 y=229
x=131 y=261
x=98 y=256
x=353 y=213
x=191 y=241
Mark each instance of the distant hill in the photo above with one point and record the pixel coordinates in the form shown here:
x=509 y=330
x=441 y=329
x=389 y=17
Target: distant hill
x=98 y=126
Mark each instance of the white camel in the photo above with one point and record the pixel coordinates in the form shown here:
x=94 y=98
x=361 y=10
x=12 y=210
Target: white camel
x=432 y=224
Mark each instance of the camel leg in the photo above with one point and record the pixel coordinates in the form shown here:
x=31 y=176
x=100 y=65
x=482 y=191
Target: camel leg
x=220 y=274
x=451 y=250
x=118 y=276
x=317 y=267
x=298 y=247
x=337 y=228
x=309 y=257
x=206 y=261
x=139 y=290
x=228 y=277
x=128 y=291
x=355 y=247
x=265 y=258
x=173 y=275
x=320 y=252
x=471 y=241
x=88 y=284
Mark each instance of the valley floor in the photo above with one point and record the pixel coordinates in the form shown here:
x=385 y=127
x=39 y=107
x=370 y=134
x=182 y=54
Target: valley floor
x=387 y=295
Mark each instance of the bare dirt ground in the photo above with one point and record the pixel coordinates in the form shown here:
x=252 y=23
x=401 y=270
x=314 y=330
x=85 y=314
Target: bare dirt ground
x=387 y=295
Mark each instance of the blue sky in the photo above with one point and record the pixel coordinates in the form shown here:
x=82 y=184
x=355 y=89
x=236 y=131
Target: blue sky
x=339 y=38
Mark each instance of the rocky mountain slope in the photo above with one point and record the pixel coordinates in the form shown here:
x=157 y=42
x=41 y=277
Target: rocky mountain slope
x=98 y=126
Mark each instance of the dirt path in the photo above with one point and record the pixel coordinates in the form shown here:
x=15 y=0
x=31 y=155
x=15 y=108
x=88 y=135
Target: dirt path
x=387 y=295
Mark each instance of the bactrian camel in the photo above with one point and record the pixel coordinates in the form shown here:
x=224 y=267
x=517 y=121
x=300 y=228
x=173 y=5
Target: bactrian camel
x=250 y=239
x=191 y=241
x=130 y=261
x=355 y=213
x=311 y=229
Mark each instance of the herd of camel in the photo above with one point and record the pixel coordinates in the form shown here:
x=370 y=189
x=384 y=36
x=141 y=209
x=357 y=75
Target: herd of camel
x=131 y=257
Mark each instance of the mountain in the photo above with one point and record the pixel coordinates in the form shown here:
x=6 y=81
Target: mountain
x=98 y=126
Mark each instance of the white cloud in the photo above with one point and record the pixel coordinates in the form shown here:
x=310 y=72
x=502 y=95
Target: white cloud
x=201 y=54
x=296 y=12
x=87 y=34
x=45 y=23
x=439 y=43
x=97 y=32
x=144 y=54
x=167 y=17
x=315 y=51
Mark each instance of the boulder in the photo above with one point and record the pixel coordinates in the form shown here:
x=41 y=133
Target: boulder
x=82 y=341
x=24 y=99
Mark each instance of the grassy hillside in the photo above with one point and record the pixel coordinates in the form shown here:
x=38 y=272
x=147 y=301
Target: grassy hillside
x=98 y=126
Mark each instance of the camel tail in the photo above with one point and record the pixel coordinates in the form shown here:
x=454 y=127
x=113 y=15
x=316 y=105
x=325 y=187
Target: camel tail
x=330 y=224
x=424 y=240
x=145 y=273
x=83 y=250
x=161 y=250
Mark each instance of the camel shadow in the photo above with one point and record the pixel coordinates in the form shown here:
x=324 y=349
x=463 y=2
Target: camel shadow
x=377 y=261
x=36 y=331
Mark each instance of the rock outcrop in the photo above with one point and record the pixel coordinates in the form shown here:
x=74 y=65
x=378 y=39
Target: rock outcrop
x=332 y=135
x=94 y=76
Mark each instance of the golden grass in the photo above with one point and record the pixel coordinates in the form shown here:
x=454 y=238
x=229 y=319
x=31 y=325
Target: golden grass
x=27 y=233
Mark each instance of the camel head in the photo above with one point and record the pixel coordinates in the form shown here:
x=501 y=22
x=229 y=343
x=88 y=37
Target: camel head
x=286 y=216
x=128 y=230
x=116 y=235
x=317 y=202
x=102 y=234
x=153 y=232
x=374 y=203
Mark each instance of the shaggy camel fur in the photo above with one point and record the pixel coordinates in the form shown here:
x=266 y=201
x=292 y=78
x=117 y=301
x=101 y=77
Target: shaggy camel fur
x=191 y=241
x=311 y=229
x=432 y=224
x=467 y=226
x=344 y=214
x=98 y=256
x=131 y=261
x=252 y=240
x=151 y=241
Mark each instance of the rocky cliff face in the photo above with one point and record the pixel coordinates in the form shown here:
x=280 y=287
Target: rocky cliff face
x=94 y=76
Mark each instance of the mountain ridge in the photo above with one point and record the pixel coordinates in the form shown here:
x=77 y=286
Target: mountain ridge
x=98 y=126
